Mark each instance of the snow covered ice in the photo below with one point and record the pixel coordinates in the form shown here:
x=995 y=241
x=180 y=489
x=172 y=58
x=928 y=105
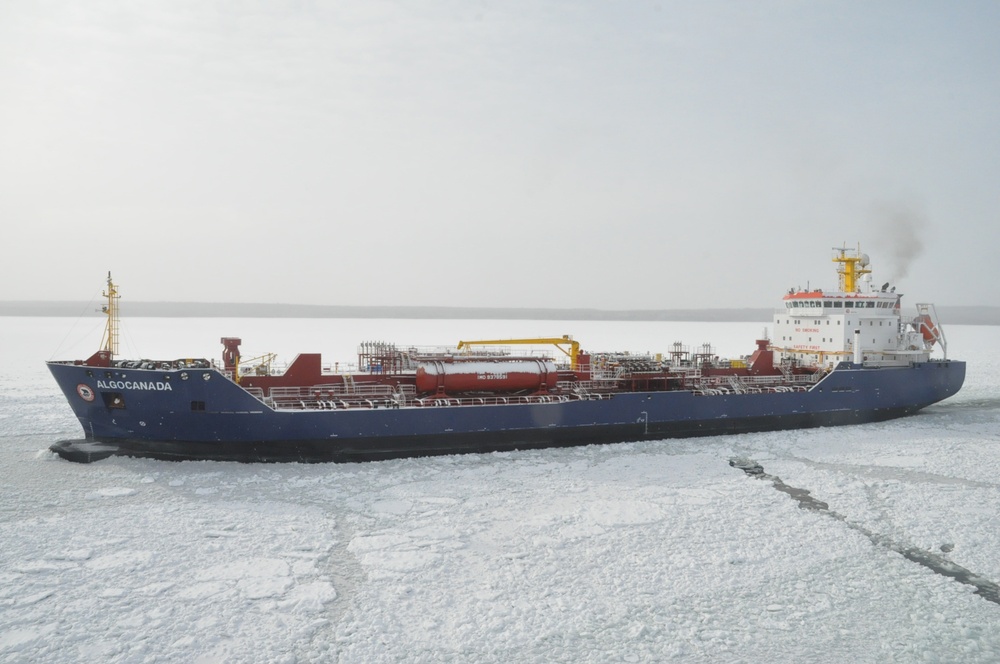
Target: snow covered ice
x=658 y=551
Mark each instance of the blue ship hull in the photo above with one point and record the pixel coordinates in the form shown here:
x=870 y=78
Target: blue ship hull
x=207 y=416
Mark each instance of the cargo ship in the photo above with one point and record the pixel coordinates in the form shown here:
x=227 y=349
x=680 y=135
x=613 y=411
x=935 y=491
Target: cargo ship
x=840 y=357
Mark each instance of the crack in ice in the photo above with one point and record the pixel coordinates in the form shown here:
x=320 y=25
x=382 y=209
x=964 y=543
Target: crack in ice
x=985 y=588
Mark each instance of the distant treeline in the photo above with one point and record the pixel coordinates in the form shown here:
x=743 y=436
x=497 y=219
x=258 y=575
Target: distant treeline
x=954 y=315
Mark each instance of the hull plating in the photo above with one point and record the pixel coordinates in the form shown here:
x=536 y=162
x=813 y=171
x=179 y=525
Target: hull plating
x=161 y=415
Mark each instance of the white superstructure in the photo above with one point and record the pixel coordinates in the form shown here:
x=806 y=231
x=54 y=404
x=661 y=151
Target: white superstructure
x=859 y=322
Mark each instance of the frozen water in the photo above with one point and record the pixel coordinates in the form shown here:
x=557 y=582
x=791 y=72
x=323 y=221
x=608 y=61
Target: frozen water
x=657 y=551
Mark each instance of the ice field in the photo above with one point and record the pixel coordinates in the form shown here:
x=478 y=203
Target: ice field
x=652 y=552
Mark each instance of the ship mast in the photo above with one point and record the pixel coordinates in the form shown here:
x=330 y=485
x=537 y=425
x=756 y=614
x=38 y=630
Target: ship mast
x=109 y=342
x=851 y=267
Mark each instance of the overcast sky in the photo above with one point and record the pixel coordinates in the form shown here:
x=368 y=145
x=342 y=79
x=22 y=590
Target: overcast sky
x=615 y=155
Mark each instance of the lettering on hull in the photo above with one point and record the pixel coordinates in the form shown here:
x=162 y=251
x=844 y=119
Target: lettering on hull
x=158 y=386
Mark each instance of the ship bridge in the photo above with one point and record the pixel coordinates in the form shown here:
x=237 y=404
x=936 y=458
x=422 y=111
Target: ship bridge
x=819 y=303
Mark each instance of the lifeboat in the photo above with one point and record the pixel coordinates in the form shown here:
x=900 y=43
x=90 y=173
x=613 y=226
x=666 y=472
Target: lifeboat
x=925 y=326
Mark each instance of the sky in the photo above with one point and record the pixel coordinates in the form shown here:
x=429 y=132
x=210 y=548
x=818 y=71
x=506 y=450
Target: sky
x=640 y=155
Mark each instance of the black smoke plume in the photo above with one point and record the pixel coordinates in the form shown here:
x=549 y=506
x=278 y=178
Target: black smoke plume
x=898 y=228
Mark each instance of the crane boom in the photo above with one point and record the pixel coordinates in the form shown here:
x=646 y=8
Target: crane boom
x=558 y=342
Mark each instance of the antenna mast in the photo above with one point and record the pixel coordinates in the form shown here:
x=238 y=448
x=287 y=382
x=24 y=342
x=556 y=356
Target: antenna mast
x=851 y=268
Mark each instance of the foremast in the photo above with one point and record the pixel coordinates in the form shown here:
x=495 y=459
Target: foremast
x=109 y=343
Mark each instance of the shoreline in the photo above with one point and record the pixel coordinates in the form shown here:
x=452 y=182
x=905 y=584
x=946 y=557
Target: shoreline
x=955 y=315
